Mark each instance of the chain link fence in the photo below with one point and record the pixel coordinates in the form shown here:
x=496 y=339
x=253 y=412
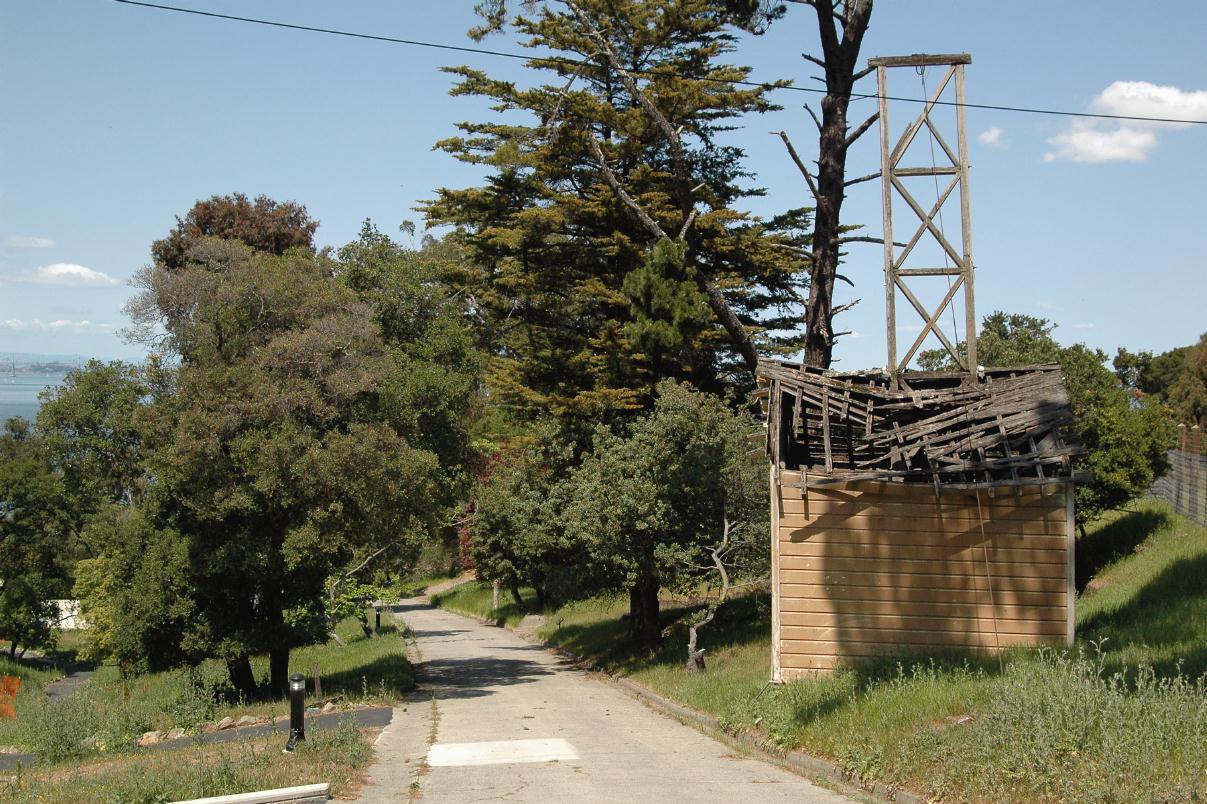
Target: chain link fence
x=1185 y=485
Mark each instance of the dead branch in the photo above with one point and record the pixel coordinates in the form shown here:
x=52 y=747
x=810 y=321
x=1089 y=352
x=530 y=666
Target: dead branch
x=628 y=200
x=804 y=171
x=868 y=177
x=695 y=658
x=859 y=131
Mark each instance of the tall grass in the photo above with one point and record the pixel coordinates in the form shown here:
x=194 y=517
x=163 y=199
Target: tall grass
x=200 y=771
x=473 y=599
x=110 y=712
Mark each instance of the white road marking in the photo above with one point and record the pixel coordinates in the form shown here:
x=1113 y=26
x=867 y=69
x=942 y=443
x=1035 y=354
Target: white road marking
x=500 y=752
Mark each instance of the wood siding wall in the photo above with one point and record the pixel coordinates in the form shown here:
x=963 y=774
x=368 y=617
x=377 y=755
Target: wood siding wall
x=867 y=569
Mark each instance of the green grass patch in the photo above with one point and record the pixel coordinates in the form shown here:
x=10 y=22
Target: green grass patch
x=333 y=756
x=473 y=599
x=1122 y=717
x=109 y=713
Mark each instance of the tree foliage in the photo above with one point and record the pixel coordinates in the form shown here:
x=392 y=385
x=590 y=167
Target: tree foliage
x=1188 y=395
x=263 y=224
x=33 y=570
x=550 y=246
x=312 y=427
x=1126 y=438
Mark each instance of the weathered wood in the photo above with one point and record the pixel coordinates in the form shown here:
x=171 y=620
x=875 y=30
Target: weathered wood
x=920 y=60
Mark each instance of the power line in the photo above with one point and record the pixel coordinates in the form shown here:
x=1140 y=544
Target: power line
x=574 y=63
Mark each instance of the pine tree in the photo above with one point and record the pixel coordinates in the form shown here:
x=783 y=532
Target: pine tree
x=582 y=304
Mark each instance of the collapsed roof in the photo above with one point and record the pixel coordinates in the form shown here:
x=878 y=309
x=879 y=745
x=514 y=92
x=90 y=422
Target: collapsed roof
x=1006 y=428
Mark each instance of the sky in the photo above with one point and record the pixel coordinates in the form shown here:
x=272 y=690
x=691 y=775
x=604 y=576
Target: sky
x=116 y=119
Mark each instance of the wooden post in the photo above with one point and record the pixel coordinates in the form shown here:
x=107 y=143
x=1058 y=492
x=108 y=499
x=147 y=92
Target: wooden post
x=966 y=225
x=886 y=199
x=1181 y=438
x=1196 y=443
x=318 y=680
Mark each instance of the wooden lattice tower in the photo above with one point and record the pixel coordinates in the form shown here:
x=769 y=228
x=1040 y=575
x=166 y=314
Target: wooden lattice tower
x=955 y=166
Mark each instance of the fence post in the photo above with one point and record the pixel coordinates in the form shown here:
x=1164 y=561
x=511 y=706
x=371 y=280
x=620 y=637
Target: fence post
x=1195 y=475
x=1181 y=438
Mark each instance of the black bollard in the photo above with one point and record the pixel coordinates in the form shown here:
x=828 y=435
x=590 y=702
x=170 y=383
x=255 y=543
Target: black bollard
x=297 y=711
x=377 y=627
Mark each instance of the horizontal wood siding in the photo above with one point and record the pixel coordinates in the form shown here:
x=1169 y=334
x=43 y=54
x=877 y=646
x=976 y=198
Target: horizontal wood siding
x=867 y=570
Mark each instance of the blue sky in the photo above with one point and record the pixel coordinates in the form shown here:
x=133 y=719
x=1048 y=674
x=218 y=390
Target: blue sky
x=116 y=119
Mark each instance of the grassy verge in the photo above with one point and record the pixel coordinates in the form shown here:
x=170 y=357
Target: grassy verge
x=473 y=600
x=109 y=713
x=333 y=756
x=1121 y=717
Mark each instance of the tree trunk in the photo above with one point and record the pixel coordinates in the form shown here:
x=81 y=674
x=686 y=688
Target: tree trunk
x=514 y=586
x=278 y=671
x=12 y=649
x=841 y=54
x=241 y=676
x=645 y=629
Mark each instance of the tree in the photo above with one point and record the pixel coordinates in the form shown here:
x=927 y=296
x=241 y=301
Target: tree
x=265 y=225
x=518 y=536
x=651 y=503
x=1126 y=441
x=1147 y=373
x=841 y=26
x=304 y=431
x=33 y=526
x=622 y=154
x=1188 y=396
x=90 y=428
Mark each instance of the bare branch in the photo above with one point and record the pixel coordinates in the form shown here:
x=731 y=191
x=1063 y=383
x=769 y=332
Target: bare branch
x=813 y=114
x=813 y=59
x=864 y=73
x=687 y=224
x=859 y=132
x=842 y=308
x=868 y=177
x=628 y=200
x=804 y=171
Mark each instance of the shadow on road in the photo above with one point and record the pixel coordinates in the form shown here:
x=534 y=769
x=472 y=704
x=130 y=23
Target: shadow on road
x=475 y=677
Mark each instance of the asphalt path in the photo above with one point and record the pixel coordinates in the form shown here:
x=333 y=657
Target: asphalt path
x=498 y=719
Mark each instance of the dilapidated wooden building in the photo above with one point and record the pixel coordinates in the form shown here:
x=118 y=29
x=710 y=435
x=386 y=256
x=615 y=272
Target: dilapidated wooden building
x=919 y=513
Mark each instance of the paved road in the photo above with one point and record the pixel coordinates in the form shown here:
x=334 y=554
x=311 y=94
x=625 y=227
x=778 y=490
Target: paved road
x=499 y=719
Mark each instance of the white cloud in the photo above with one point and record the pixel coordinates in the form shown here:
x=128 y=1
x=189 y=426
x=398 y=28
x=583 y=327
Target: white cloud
x=67 y=274
x=1085 y=325
x=1142 y=99
x=38 y=325
x=1127 y=140
x=1085 y=143
x=992 y=137
x=24 y=241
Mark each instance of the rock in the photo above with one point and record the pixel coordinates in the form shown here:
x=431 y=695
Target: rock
x=1097 y=584
x=226 y=723
x=174 y=734
x=328 y=708
x=957 y=720
x=150 y=738
x=247 y=720
x=312 y=710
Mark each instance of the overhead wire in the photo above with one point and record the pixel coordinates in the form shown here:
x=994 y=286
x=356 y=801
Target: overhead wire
x=573 y=63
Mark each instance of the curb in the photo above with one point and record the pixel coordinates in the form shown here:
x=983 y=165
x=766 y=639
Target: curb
x=797 y=761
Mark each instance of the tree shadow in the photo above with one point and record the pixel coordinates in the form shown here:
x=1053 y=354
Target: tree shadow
x=1166 y=616
x=477 y=676
x=391 y=673
x=1114 y=541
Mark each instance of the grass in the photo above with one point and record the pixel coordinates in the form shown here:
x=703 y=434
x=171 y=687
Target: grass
x=109 y=712
x=334 y=756
x=1121 y=717
x=473 y=600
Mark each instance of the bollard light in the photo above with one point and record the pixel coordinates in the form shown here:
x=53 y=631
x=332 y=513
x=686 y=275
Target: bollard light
x=377 y=627
x=297 y=711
